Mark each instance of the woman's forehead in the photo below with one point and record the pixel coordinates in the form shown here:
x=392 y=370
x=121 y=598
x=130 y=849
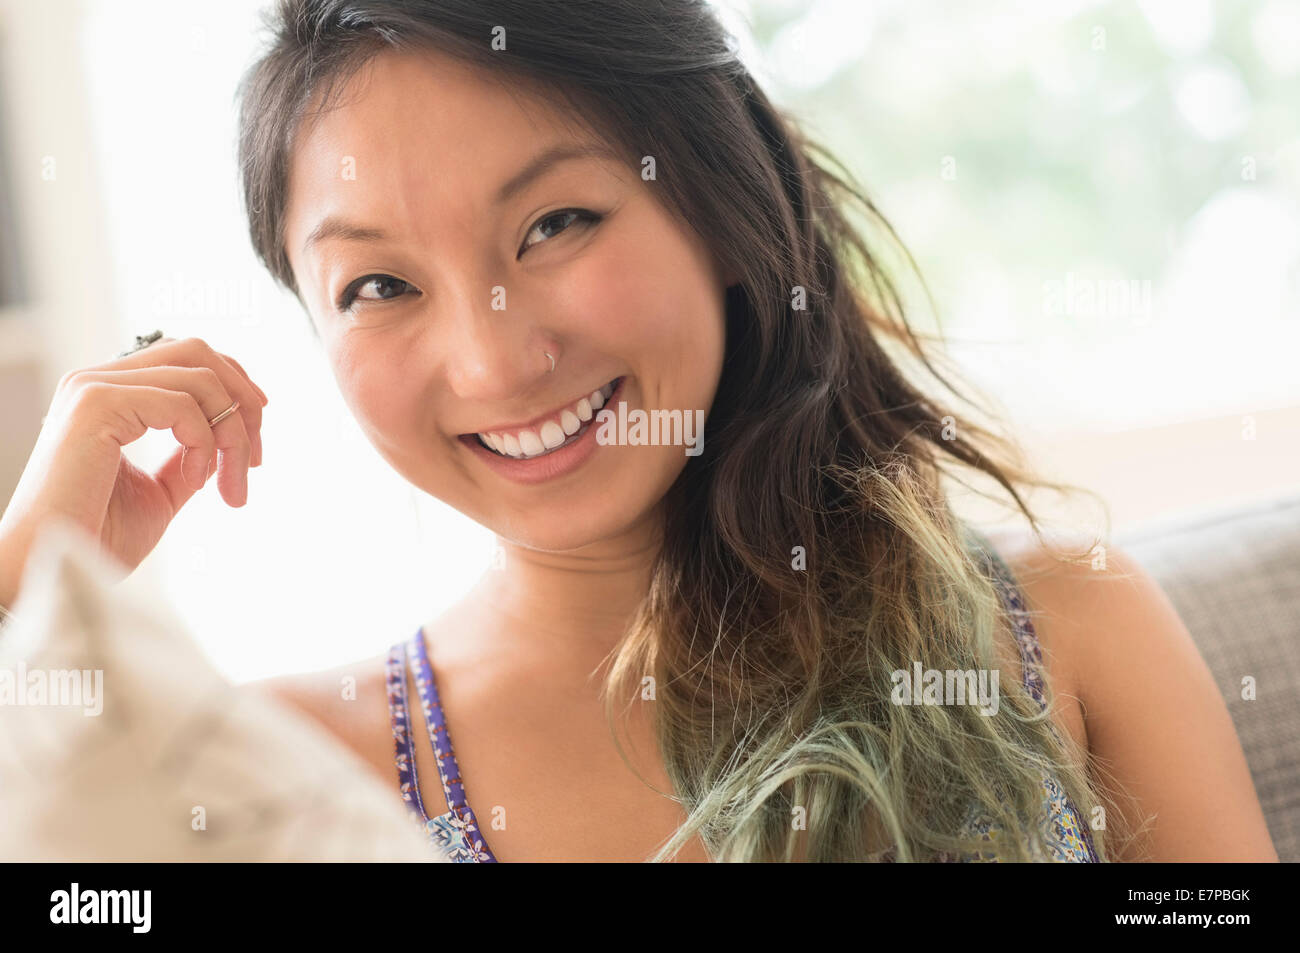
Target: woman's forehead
x=412 y=125
x=404 y=99
x=420 y=109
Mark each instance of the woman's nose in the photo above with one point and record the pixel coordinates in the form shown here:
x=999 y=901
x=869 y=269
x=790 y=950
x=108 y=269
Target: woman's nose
x=488 y=354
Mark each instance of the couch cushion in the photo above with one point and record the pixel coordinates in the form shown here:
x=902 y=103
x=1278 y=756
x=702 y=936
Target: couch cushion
x=1234 y=578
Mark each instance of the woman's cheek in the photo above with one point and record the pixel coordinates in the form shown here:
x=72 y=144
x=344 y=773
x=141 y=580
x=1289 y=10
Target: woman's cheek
x=595 y=303
x=666 y=289
x=373 y=401
x=613 y=288
x=348 y=373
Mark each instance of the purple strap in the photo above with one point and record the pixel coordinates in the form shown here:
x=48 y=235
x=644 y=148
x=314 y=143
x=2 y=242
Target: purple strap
x=1031 y=658
x=403 y=743
x=448 y=769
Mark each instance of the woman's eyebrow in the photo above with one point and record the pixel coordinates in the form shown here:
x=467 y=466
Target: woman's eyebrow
x=544 y=160
x=333 y=227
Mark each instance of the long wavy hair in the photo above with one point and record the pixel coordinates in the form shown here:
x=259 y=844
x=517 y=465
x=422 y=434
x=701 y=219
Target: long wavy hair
x=771 y=671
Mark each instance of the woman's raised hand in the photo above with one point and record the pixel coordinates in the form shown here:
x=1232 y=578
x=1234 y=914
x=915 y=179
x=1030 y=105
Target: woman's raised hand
x=77 y=469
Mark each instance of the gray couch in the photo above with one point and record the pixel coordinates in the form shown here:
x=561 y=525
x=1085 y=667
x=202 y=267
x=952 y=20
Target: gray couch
x=1234 y=578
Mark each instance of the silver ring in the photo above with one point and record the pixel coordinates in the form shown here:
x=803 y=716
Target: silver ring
x=224 y=414
x=142 y=341
x=548 y=354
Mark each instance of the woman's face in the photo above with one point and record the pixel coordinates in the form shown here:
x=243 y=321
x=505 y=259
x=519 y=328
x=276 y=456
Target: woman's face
x=411 y=199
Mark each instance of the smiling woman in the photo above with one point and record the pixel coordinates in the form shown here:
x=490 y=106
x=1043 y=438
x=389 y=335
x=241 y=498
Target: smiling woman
x=500 y=215
x=443 y=280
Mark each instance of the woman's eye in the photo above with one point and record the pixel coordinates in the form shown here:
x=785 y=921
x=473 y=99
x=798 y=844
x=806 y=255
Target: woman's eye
x=380 y=288
x=555 y=223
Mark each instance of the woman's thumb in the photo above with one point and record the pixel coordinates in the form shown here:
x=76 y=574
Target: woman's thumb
x=172 y=475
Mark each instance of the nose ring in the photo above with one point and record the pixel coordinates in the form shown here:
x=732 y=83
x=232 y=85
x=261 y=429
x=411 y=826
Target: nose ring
x=547 y=353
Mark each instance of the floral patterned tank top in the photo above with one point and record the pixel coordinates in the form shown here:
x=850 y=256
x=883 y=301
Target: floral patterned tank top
x=1063 y=837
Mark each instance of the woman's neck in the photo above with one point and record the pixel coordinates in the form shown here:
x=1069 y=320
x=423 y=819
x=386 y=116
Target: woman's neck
x=568 y=609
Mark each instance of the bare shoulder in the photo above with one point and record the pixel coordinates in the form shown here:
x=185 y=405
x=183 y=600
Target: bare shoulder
x=1048 y=579
x=1091 y=605
x=349 y=701
x=1064 y=583
x=1154 y=717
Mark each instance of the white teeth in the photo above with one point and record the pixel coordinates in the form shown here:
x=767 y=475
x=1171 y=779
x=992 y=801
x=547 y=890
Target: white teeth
x=530 y=443
x=552 y=435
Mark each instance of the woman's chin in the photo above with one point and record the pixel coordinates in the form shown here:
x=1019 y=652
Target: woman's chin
x=561 y=537
x=568 y=529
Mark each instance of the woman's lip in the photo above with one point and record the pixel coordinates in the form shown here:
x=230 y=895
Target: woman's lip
x=537 y=422
x=549 y=466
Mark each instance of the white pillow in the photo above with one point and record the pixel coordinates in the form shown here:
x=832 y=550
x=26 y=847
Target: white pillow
x=179 y=764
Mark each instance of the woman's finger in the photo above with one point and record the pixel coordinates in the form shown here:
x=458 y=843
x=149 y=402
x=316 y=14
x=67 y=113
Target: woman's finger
x=182 y=475
x=104 y=402
x=240 y=367
x=195 y=352
x=203 y=383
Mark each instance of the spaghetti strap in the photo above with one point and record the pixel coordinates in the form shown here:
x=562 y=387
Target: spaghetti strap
x=1068 y=835
x=1031 y=656
x=456 y=832
x=403 y=743
x=448 y=768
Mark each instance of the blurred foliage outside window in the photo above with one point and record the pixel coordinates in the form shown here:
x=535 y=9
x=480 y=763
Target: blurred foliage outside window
x=1102 y=196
